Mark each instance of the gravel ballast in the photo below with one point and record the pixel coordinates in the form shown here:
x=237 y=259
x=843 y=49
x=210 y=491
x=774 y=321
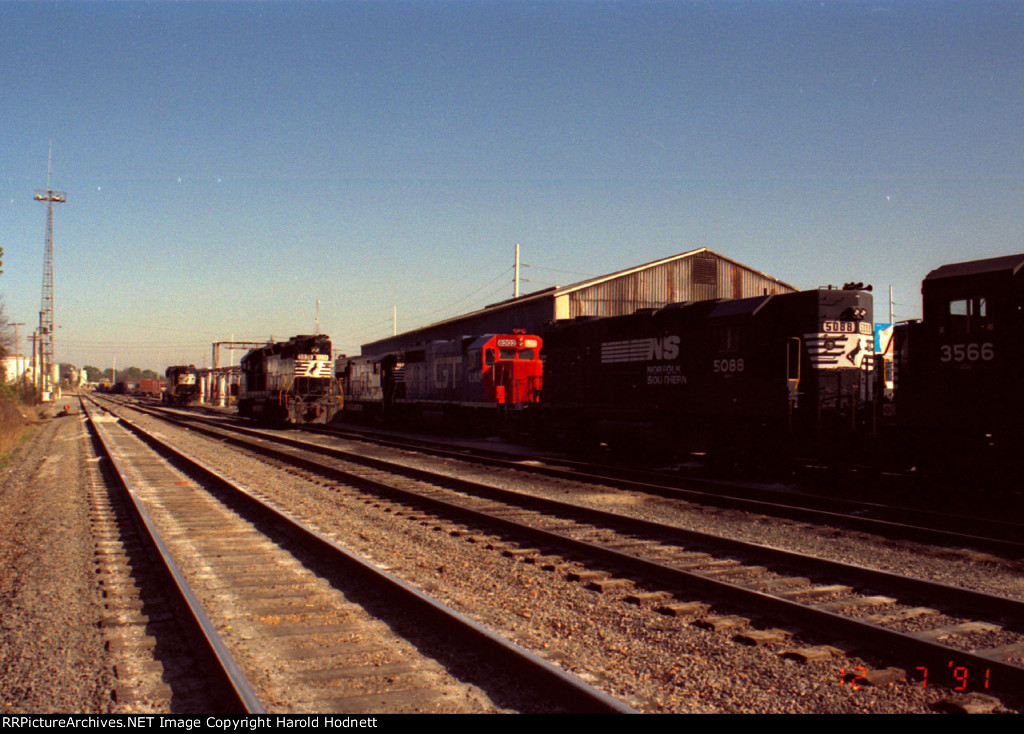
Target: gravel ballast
x=656 y=663
x=52 y=657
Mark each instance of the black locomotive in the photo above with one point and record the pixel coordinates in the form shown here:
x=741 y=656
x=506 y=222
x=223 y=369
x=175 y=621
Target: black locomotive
x=756 y=380
x=778 y=379
x=182 y=385
x=290 y=382
x=958 y=409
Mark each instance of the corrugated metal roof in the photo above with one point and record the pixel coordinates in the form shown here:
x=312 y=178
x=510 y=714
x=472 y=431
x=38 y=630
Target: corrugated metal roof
x=664 y=261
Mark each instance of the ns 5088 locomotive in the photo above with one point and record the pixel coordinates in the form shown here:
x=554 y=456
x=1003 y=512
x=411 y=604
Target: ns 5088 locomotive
x=290 y=382
x=766 y=377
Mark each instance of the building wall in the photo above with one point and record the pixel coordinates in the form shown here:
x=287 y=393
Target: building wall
x=15 y=366
x=699 y=277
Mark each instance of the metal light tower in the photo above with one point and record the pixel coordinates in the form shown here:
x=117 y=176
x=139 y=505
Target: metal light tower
x=51 y=197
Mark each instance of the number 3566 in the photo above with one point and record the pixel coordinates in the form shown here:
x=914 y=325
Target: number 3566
x=967 y=352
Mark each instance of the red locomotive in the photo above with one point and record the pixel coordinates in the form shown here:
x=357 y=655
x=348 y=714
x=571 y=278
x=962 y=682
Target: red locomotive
x=493 y=373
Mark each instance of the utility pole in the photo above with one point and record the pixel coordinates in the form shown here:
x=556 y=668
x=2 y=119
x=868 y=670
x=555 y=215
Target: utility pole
x=35 y=363
x=50 y=197
x=515 y=289
x=18 y=358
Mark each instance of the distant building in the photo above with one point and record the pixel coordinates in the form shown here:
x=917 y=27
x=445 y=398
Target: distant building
x=71 y=375
x=16 y=366
x=697 y=275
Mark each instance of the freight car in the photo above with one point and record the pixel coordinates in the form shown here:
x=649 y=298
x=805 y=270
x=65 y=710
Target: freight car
x=958 y=410
x=290 y=382
x=757 y=381
x=150 y=388
x=472 y=378
x=182 y=385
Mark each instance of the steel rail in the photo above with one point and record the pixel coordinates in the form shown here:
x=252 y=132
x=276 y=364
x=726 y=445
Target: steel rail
x=953 y=596
x=857 y=517
x=583 y=697
x=833 y=624
x=240 y=693
x=865 y=516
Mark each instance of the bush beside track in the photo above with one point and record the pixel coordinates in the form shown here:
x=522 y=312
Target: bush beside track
x=17 y=419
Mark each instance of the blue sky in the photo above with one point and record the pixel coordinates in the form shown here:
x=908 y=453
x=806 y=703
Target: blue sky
x=229 y=164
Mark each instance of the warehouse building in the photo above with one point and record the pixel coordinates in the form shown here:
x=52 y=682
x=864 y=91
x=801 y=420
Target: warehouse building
x=697 y=275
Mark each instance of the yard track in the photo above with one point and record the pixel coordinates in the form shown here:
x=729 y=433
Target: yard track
x=299 y=624
x=918 y=624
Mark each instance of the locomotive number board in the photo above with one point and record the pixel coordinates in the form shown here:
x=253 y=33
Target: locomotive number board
x=839 y=327
x=313 y=365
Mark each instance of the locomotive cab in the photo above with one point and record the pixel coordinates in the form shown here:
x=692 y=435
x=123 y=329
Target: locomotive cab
x=958 y=400
x=788 y=374
x=507 y=368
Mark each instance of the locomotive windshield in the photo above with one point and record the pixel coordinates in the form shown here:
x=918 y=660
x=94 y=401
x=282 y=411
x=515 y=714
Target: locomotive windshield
x=969 y=315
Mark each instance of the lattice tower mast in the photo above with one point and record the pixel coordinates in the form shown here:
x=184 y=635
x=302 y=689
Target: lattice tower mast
x=51 y=197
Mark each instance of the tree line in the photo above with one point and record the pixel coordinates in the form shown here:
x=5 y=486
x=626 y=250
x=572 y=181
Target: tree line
x=130 y=374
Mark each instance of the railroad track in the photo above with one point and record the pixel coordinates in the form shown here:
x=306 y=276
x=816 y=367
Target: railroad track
x=931 y=629
x=934 y=528
x=917 y=524
x=299 y=624
x=893 y=521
